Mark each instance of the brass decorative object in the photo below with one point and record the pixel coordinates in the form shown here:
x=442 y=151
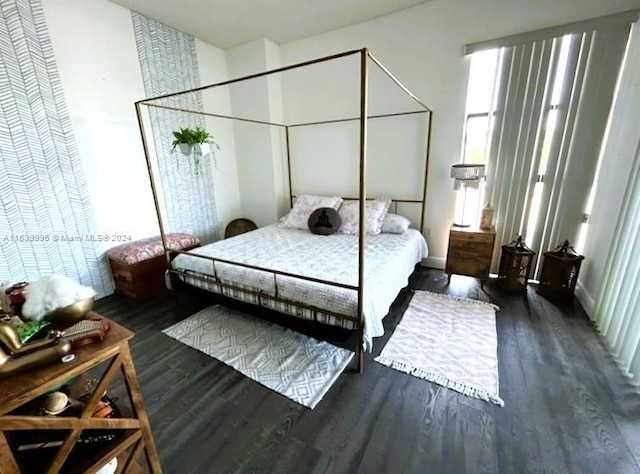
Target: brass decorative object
x=16 y=357
x=70 y=314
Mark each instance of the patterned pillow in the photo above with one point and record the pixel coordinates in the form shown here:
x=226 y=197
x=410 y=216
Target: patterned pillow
x=303 y=207
x=376 y=212
x=395 y=224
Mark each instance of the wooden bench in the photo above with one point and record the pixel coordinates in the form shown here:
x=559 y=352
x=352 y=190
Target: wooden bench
x=139 y=267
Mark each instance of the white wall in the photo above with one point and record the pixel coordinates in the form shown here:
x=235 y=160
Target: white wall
x=622 y=147
x=95 y=51
x=213 y=69
x=278 y=140
x=257 y=146
x=422 y=46
x=395 y=160
x=96 y=54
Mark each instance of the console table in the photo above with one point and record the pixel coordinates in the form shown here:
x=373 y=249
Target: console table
x=132 y=432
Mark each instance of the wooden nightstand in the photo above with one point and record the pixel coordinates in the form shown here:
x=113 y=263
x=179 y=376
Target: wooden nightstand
x=470 y=251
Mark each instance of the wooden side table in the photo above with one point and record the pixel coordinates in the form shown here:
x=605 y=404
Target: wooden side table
x=133 y=433
x=470 y=251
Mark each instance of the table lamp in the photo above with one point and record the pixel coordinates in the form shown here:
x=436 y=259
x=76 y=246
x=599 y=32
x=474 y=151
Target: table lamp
x=465 y=177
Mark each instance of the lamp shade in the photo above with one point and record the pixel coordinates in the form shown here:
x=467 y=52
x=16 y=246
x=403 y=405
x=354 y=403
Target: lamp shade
x=465 y=172
x=467 y=176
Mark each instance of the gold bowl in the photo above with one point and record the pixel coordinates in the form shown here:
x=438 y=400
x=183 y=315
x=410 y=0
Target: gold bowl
x=71 y=313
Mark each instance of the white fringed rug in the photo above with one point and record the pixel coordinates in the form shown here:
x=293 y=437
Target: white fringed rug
x=450 y=341
x=292 y=364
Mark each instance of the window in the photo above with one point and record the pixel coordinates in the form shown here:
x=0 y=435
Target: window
x=480 y=108
x=548 y=131
x=536 y=118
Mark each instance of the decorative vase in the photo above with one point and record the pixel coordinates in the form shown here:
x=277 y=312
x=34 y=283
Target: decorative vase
x=184 y=148
x=486 y=218
x=201 y=149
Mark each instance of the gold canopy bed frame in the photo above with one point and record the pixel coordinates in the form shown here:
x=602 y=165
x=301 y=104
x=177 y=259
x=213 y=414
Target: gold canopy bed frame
x=366 y=60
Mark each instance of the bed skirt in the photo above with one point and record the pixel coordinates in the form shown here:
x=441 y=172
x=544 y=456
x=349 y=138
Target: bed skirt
x=206 y=282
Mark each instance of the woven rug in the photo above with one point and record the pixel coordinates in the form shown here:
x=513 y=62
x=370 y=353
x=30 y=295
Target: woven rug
x=292 y=364
x=449 y=341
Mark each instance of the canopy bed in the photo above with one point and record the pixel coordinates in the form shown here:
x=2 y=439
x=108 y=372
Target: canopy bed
x=348 y=279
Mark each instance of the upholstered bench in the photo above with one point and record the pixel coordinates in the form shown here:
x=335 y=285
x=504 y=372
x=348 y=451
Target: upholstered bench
x=138 y=267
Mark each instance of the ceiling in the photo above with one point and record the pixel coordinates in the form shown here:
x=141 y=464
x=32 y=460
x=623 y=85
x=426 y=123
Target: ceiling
x=229 y=23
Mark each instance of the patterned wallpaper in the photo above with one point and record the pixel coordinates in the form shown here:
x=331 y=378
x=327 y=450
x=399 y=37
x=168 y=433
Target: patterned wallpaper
x=168 y=62
x=46 y=220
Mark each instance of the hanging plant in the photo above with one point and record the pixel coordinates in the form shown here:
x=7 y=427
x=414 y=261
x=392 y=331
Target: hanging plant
x=195 y=142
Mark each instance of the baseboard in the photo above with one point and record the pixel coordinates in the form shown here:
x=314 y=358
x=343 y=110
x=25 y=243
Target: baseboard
x=586 y=300
x=434 y=262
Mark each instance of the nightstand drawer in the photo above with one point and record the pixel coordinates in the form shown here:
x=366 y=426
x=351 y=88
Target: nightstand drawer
x=470 y=252
x=483 y=237
x=471 y=248
x=462 y=264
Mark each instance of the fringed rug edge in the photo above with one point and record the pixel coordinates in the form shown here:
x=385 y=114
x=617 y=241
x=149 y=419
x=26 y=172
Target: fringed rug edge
x=465 y=389
x=458 y=298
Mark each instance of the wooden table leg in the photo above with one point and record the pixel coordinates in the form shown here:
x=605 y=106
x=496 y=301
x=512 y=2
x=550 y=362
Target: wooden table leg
x=135 y=395
x=7 y=462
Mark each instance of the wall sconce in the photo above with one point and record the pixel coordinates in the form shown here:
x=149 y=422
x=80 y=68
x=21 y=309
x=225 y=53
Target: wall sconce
x=465 y=177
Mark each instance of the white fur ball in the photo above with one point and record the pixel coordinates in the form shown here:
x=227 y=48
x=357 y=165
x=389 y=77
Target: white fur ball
x=52 y=292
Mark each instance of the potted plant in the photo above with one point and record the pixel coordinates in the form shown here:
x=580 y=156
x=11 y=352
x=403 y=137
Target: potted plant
x=193 y=141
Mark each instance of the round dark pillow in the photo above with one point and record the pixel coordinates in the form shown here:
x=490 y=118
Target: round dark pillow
x=324 y=221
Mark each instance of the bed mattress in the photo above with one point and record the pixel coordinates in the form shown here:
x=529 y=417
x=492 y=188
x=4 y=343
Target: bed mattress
x=389 y=261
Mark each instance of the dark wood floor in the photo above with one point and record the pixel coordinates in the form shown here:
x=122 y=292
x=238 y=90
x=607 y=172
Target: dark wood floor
x=567 y=407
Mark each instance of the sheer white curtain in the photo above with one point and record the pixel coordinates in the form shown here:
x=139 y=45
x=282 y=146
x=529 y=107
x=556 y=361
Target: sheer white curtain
x=586 y=64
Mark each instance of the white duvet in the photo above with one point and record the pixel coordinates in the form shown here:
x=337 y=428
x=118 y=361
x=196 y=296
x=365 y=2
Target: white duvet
x=389 y=261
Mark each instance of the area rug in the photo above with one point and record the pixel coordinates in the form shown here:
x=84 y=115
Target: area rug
x=292 y=364
x=449 y=341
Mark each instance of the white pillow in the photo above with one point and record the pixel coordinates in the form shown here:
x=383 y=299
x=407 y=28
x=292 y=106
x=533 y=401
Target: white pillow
x=305 y=204
x=350 y=214
x=395 y=224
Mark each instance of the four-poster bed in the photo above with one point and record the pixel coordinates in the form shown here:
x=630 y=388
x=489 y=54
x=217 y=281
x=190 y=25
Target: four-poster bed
x=344 y=280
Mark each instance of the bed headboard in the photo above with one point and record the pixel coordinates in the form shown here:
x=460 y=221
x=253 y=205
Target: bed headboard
x=412 y=209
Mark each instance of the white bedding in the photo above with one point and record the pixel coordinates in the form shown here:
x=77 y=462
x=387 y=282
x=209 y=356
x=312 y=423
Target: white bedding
x=389 y=261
